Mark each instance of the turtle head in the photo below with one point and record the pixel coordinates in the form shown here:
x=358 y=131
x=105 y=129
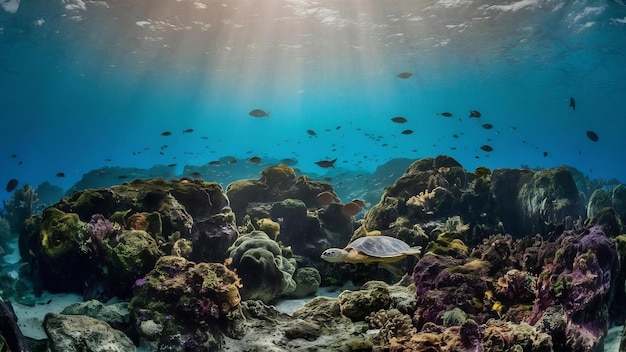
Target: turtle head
x=334 y=255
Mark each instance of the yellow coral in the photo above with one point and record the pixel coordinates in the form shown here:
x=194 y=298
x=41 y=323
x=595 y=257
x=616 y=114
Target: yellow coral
x=270 y=227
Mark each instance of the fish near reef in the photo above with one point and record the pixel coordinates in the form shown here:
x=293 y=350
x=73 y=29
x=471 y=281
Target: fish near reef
x=572 y=103
x=255 y=159
x=60 y=174
x=475 y=114
x=399 y=119
x=258 y=113
x=12 y=184
x=592 y=136
x=404 y=75
x=487 y=148
x=326 y=163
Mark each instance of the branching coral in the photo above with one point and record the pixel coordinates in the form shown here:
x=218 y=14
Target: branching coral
x=20 y=207
x=421 y=199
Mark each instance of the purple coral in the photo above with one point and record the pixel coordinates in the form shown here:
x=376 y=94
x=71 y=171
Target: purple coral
x=101 y=227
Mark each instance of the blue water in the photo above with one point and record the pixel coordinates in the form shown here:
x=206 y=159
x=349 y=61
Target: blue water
x=88 y=84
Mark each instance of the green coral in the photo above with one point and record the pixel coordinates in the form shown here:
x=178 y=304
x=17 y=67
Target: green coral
x=561 y=284
x=265 y=268
x=62 y=233
x=131 y=255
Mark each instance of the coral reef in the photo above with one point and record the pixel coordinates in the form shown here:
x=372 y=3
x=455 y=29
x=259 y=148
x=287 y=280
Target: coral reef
x=265 y=268
x=76 y=333
x=181 y=305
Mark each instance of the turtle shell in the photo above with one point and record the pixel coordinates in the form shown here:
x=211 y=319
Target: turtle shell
x=379 y=246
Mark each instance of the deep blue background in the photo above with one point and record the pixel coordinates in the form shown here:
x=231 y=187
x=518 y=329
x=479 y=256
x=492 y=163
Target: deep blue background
x=81 y=83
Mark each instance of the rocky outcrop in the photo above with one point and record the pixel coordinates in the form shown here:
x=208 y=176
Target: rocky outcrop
x=78 y=333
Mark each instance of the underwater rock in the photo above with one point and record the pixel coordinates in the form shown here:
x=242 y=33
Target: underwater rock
x=211 y=238
x=298 y=229
x=618 y=199
x=264 y=267
x=77 y=333
x=63 y=258
x=189 y=304
x=11 y=338
x=116 y=314
x=549 y=198
x=277 y=183
x=307 y=280
x=357 y=305
x=243 y=192
x=599 y=199
x=130 y=256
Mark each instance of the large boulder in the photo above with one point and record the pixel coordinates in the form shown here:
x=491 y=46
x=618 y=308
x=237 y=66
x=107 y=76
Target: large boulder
x=79 y=333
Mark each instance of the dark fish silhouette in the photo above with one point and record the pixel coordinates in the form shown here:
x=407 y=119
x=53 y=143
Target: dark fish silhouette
x=398 y=119
x=258 y=113
x=545 y=154
x=407 y=131
x=13 y=156
x=12 y=184
x=593 y=136
x=404 y=75
x=487 y=126
x=255 y=159
x=166 y=133
x=214 y=163
x=572 y=103
x=446 y=114
x=189 y=130
x=60 y=174
x=326 y=163
x=475 y=114
x=487 y=148
x=311 y=133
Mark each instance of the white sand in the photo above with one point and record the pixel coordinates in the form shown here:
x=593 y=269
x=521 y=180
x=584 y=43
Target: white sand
x=30 y=319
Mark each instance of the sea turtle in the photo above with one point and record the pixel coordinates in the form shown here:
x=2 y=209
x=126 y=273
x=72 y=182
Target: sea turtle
x=371 y=249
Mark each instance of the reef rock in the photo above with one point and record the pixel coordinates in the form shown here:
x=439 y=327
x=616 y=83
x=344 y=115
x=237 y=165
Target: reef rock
x=116 y=314
x=181 y=305
x=307 y=280
x=265 y=268
x=78 y=333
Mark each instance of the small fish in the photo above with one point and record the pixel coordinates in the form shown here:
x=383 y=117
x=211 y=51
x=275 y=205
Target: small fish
x=404 y=75
x=214 y=163
x=487 y=126
x=60 y=174
x=475 y=114
x=545 y=154
x=326 y=163
x=166 y=133
x=259 y=113
x=13 y=156
x=487 y=148
x=446 y=114
x=455 y=136
x=255 y=159
x=12 y=184
x=311 y=133
x=189 y=130
x=572 y=103
x=398 y=119
x=407 y=131
x=171 y=165
x=593 y=136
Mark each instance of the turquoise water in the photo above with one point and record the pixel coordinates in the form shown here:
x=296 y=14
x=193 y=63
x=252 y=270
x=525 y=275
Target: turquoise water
x=88 y=84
